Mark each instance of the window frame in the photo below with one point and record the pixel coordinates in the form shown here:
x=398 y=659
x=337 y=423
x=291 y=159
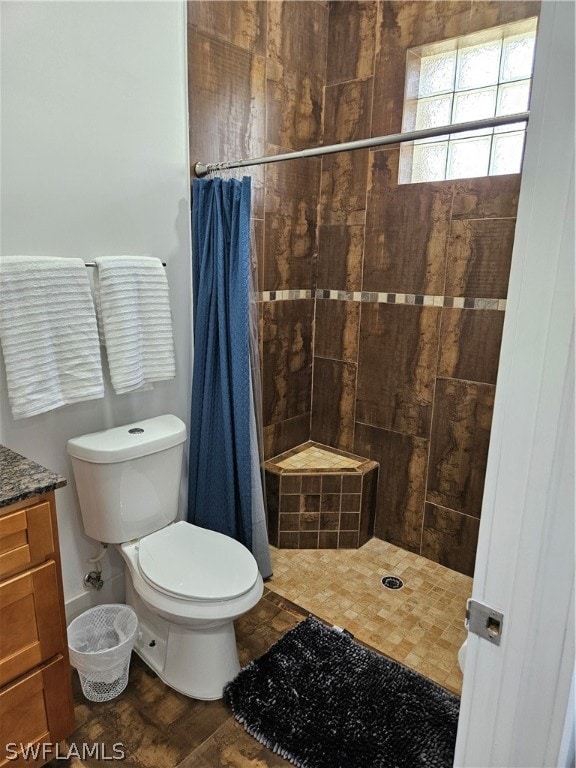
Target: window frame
x=487 y=140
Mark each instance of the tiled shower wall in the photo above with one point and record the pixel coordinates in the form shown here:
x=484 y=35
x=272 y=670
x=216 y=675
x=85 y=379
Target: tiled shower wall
x=256 y=86
x=382 y=304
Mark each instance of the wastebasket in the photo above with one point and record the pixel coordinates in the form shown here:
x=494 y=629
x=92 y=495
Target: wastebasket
x=100 y=642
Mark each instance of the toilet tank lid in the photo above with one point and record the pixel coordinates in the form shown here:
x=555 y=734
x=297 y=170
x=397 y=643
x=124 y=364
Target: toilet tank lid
x=130 y=441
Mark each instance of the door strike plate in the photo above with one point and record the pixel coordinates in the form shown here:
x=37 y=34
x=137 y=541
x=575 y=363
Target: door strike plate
x=484 y=621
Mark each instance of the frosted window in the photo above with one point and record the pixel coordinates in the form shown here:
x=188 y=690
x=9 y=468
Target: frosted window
x=461 y=80
x=468 y=157
x=429 y=161
x=474 y=105
x=517 y=57
x=433 y=112
x=437 y=74
x=513 y=97
x=507 y=152
x=478 y=66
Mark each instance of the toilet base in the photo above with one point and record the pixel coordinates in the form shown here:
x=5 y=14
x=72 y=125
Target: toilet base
x=195 y=661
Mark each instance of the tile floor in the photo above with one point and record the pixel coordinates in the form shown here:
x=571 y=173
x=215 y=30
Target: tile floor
x=419 y=625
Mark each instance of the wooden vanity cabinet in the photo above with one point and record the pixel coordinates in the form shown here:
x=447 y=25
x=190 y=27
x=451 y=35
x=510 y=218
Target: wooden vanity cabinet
x=36 y=705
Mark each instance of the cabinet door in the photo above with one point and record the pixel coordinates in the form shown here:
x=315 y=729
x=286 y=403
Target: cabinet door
x=30 y=621
x=26 y=538
x=35 y=714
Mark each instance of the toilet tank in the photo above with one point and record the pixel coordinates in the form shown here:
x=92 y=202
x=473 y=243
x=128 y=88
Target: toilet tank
x=128 y=478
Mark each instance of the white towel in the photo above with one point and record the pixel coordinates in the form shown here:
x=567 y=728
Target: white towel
x=133 y=307
x=48 y=333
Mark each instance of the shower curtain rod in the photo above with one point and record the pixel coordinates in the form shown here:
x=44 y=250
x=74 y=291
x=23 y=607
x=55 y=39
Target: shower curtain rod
x=201 y=169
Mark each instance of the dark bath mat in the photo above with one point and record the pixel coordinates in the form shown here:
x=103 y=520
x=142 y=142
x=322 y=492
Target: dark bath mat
x=322 y=700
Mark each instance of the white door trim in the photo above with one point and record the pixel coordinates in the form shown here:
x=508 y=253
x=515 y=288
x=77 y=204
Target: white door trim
x=515 y=696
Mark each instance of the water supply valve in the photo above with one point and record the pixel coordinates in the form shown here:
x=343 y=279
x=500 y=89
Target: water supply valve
x=93 y=580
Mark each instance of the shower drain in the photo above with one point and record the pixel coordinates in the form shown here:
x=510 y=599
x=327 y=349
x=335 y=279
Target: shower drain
x=392 y=582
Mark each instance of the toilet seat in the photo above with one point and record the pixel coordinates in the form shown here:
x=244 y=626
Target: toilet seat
x=185 y=561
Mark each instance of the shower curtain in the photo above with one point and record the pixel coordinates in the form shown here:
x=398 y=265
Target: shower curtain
x=225 y=481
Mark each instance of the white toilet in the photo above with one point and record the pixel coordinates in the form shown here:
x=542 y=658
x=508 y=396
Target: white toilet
x=186 y=584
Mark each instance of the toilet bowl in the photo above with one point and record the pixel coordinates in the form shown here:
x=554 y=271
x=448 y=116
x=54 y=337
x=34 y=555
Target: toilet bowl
x=462 y=655
x=186 y=601
x=187 y=584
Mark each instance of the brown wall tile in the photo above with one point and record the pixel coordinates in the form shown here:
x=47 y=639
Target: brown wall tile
x=350 y=502
x=272 y=490
x=479 y=257
x=257 y=253
x=241 y=23
x=353 y=483
x=450 y=538
x=329 y=521
x=396 y=366
x=403 y=25
x=491 y=197
x=343 y=190
x=328 y=540
x=296 y=68
x=347 y=539
x=288 y=540
x=407 y=230
x=401 y=483
x=459 y=445
x=289 y=522
x=290 y=224
x=294 y=101
x=286 y=434
x=349 y=521
x=308 y=540
x=352 y=28
x=311 y=483
x=290 y=484
x=287 y=380
x=333 y=403
x=470 y=344
x=336 y=333
x=347 y=111
x=340 y=251
x=226 y=86
x=369 y=500
x=297 y=34
x=492 y=13
x=332 y=483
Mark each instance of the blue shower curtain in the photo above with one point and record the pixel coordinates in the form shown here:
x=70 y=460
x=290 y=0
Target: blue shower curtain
x=222 y=483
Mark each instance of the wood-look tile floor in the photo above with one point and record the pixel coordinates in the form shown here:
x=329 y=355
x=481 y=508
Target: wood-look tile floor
x=160 y=728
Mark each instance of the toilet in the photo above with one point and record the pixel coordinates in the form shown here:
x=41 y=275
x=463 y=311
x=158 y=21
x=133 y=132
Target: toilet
x=187 y=584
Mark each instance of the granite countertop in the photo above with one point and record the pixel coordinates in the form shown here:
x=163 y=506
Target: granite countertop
x=21 y=478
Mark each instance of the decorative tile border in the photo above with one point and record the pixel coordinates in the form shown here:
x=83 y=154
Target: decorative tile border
x=286 y=295
x=456 y=302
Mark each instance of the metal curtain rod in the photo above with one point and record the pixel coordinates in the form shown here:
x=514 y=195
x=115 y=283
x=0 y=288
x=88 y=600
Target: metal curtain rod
x=201 y=169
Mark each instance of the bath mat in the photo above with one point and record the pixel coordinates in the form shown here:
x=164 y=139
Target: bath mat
x=322 y=700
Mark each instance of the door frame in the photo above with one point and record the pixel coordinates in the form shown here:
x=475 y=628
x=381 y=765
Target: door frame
x=515 y=698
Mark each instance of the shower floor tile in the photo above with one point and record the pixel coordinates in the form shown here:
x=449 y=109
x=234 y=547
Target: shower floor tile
x=420 y=625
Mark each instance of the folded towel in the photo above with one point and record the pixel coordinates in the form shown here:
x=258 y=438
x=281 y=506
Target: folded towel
x=48 y=333
x=133 y=308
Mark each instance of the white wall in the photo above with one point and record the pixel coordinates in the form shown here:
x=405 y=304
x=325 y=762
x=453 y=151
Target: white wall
x=94 y=161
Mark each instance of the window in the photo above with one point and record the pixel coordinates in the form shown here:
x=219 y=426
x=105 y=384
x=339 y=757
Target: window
x=468 y=78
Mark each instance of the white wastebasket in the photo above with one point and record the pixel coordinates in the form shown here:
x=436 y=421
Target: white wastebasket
x=100 y=642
